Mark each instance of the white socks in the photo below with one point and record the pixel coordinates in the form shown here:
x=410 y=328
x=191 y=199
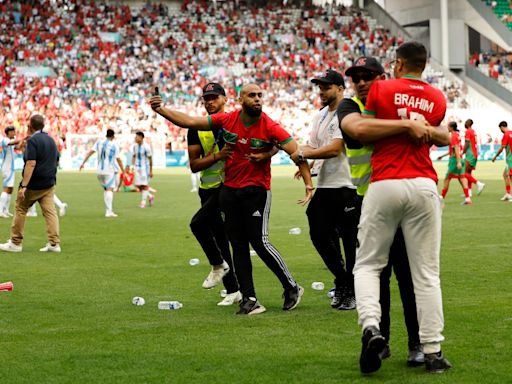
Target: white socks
x=108 y=196
x=57 y=201
x=145 y=194
x=4 y=202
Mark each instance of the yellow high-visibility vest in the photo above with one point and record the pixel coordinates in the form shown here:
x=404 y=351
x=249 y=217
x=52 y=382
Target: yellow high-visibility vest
x=212 y=176
x=360 y=162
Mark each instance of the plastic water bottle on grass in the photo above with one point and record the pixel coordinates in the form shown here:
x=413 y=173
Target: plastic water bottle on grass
x=169 y=305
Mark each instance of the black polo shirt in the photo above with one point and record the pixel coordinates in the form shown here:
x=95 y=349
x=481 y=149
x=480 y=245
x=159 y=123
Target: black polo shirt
x=42 y=149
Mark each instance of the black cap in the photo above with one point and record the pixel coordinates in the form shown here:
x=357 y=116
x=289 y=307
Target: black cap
x=213 y=89
x=370 y=64
x=330 y=77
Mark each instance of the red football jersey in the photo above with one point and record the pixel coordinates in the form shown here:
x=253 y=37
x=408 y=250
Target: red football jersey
x=471 y=137
x=397 y=157
x=454 y=141
x=259 y=137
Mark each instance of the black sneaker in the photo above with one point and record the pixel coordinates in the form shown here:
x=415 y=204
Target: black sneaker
x=386 y=352
x=250 y=306
x=373 y=345
x=349 y=301
x=416 y=357
x=338 y=297
x=292 y=297
x=436 y=363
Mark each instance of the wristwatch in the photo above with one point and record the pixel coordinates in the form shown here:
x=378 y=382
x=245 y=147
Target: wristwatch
x=301 y=157
x=22 y=186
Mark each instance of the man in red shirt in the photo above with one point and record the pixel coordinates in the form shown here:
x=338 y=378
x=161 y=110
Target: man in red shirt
x=245 y=198
x=402 y=192
x=471 y=155
x=506 y=145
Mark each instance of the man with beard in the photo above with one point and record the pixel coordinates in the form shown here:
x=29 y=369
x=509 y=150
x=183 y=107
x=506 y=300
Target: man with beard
x=207 y=154
x=332 y=211
x=245 y=198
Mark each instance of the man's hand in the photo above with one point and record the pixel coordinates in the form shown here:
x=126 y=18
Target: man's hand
x=150 y=174
x=21 y=193
x=156 y=102
x=257 y=157
x=81 y=167
x=309 y=195
x=420 y=131
x=225 y=153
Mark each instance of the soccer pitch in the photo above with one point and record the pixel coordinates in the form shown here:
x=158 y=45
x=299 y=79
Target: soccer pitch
x=70 y=317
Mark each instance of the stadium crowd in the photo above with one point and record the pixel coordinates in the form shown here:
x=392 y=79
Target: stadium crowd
x=102 y=69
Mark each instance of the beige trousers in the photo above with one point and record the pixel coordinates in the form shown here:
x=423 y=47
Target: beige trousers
x=414 y=205
x=45 y=199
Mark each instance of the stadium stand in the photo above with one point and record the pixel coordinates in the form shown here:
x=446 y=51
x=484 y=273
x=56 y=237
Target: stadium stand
x=87 y=74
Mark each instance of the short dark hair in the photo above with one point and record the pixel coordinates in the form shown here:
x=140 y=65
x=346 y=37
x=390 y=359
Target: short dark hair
x=503 y=124
x=453 y=125
x=468 y=123
x=37 y=122
x=110 y=133
x=9 y=129
x=414 y=55
x=140 y=133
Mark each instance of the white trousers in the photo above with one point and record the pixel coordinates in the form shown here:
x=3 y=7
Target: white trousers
x=414 y=205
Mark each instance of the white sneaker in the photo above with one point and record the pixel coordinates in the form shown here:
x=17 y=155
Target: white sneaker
x=230 y=299
x=31 y=214
x=142 y=204
x=9 y=214
x=4 y=215
x=110 y=214
x=50 y=248
x=467 y=201
x=215 y=276
x=62 y=210
x=506 y=196
x=10 y=247
x=479 y=187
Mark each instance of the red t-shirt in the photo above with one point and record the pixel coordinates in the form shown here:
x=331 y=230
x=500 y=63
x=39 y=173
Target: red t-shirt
x=259 y=137
x=397 y=157
x=471 y=137
x=455 y=140
x=127 y=178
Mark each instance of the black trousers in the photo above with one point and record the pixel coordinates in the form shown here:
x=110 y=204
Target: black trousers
x=208 y=228
x=400 y=264
x=333 y=213
x=247 y=212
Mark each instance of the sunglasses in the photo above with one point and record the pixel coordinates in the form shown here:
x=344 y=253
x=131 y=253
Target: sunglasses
x=367 y=76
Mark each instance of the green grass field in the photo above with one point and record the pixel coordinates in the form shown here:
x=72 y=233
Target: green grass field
x=70 y=317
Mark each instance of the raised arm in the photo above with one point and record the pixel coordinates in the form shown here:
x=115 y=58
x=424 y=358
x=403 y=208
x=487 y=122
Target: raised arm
x=333 y=149
x=200 y=123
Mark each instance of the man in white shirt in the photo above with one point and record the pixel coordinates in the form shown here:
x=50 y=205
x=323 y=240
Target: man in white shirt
x=108 y=154
x=332 y=211
x=7 y=143
x=142 y=160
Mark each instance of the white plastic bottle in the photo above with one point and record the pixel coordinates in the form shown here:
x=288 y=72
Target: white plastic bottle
x=169 y=305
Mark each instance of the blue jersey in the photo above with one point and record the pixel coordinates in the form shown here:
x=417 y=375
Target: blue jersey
x=7 y=155
x=107 y=152
x=142 y=154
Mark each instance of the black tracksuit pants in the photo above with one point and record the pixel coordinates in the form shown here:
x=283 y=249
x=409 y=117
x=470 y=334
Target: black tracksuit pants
x=208 y=228
x=334 y=213
x=400 y=264
x=247 y=212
